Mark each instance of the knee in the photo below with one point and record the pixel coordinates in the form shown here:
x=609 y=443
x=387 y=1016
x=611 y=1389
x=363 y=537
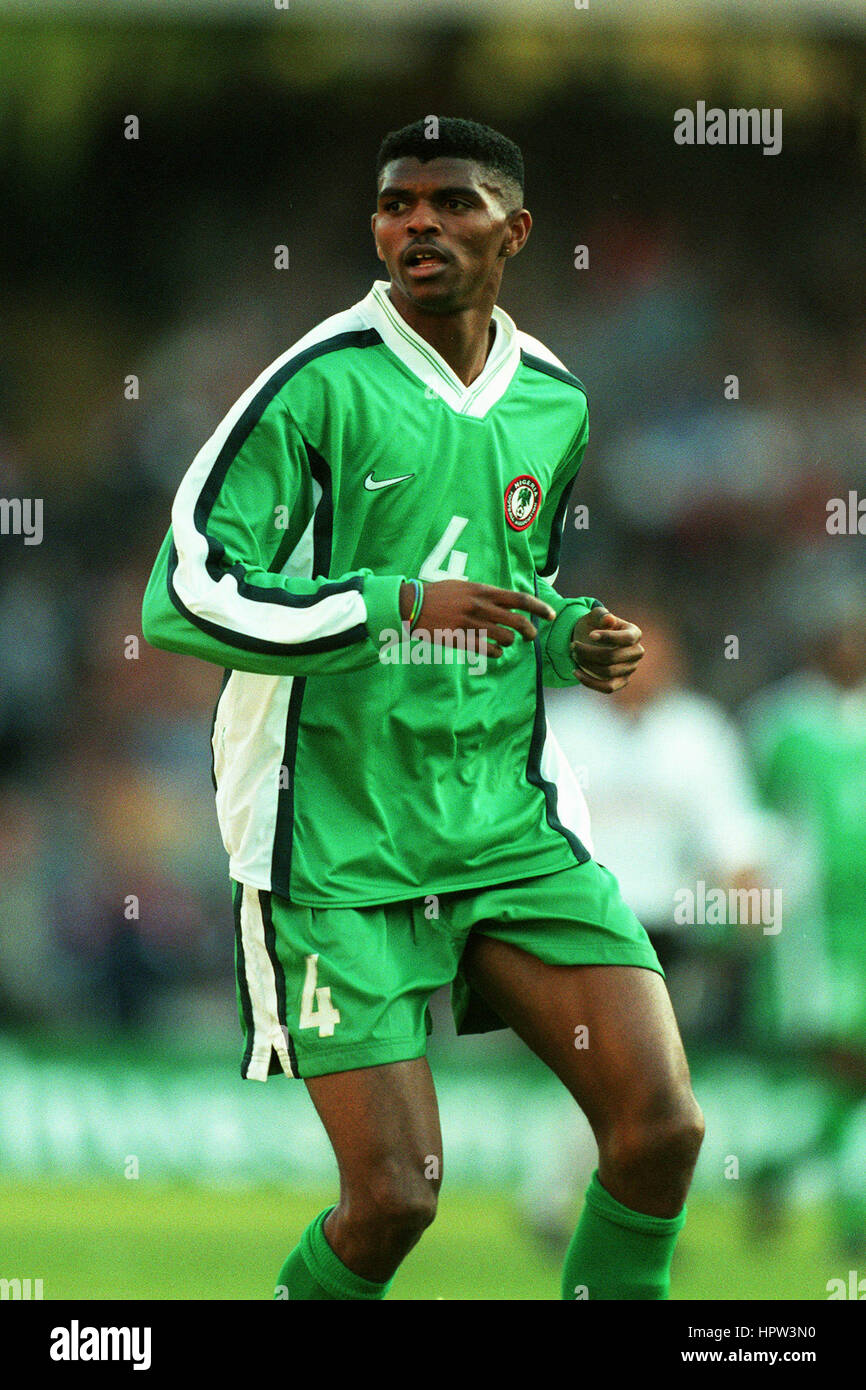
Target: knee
x=666 y=1137
x=396 y=1203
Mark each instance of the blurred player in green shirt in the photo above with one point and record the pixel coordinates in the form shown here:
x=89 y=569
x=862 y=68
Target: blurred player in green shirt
x=808 y=736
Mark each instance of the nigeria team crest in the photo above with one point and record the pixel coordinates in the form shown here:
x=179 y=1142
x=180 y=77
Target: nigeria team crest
x=522 y=500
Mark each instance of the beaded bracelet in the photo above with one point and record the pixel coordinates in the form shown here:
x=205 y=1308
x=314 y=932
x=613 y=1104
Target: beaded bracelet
x=417 y=603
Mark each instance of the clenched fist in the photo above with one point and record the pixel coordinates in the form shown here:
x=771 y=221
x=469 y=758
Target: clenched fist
x=605 y=650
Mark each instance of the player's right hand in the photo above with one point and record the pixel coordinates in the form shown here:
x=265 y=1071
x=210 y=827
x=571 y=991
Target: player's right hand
x=457 y=605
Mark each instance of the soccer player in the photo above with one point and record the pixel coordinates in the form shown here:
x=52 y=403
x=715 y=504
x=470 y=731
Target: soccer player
x=808 y=737
x=367 y=544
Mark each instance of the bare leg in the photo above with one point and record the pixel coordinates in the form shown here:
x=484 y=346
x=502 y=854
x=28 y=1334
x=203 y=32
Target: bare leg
x=631 y=1080
x=383 y=1123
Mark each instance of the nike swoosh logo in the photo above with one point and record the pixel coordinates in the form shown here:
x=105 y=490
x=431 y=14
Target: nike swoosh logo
x=372 y=486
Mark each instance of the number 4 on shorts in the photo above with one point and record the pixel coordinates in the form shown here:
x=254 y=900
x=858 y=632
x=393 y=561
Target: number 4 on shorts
x=325 y=1016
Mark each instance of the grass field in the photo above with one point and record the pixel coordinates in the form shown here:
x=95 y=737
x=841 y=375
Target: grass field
x=131 y=1241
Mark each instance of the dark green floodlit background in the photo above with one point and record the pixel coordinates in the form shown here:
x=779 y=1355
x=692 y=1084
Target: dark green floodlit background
x=133 y=1161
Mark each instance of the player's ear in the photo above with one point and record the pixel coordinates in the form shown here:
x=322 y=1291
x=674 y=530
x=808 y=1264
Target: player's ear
x=373 y=220
x=519 y=227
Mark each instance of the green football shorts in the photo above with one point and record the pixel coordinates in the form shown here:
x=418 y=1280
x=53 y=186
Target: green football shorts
x=324 y=990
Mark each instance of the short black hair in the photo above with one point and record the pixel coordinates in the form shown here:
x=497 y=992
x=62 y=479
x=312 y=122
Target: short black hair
x=443 y=137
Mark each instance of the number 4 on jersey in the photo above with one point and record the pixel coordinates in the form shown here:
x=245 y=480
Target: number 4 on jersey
x=431 y=571
x=325 y=1016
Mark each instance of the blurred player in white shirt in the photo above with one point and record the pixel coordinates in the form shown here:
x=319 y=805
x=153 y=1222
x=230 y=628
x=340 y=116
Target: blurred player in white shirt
x=666 y=777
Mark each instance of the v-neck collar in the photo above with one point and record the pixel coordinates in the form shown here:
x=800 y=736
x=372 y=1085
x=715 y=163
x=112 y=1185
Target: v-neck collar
x=431 y=368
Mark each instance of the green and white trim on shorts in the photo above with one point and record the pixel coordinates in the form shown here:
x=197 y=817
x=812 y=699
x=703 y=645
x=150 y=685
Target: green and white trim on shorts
x=324 y=990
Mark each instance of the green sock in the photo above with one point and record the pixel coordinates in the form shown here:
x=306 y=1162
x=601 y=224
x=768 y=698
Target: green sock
x=313 y=1271
x=617 y=1253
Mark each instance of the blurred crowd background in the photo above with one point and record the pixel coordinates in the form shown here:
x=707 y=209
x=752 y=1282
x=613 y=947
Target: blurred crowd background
x=739 y=764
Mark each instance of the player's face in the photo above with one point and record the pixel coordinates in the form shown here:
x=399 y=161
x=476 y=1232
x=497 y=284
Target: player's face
x=444 y=231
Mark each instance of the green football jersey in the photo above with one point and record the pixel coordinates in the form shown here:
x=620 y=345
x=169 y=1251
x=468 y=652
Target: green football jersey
x=810 y=748
x=353 y=765
x=809 y=743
